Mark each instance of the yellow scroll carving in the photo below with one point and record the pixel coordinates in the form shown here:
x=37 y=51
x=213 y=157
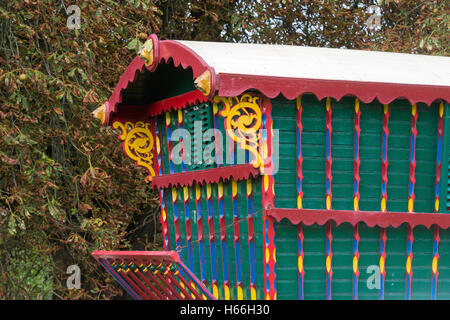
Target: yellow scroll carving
x=138 y=143
x=243 y=123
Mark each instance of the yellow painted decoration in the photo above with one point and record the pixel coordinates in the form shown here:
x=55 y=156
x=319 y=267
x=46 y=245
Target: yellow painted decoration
x=249 y=187
x=138 y=144
x=356 y=105
x=100 y=113
x=164 y=215
x=267 y=297
x=434 y=265
x=240 y=293
x=266 y=183
x=215 y=291
x=355 y=264
x=208 y=190
x=328 y=104
x=220 y=189
x=355 y=204
x=408 y=265
x=410 y=205
x=381 y=264
x=253 y=293
x=198 y=192
x=436 y=205
x=441 y=110
x=385 y=108
x=328 y=264
x=234 y=187
x=298 y=102
x=146 y=53
x=274 y=256
x=243 y=123
x=226 y=292
x=267 y=255
x=158 y=145
x=174 y=194
x=299 y=202
x=414 y=109
x=203 y=82
x=168 y=118
x=300 y=264
x=180 y=116
x=185 y=193
x=383 y=204
x=328 y=203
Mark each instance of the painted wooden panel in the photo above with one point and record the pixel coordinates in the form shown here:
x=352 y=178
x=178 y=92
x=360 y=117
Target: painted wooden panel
x=287 y=264
x=443 y=284
x=369 y=248
x=370 y=152
x=314 y=262
x=342 y=262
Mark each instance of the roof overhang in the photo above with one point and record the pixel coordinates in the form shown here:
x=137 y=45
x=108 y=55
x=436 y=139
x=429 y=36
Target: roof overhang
x=229 y=69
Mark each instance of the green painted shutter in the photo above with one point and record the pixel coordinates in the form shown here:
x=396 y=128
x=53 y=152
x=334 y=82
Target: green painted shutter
x=203 y=114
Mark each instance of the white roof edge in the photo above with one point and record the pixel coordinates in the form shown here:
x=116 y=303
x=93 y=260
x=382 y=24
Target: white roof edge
x=323 y=63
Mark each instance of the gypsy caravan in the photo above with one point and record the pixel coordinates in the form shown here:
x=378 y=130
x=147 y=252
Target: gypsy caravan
x=287 y=172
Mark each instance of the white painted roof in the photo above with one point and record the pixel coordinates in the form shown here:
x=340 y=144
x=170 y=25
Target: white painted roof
x=323 y=63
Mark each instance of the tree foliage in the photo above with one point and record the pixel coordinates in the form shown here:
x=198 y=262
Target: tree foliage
x=65 y=187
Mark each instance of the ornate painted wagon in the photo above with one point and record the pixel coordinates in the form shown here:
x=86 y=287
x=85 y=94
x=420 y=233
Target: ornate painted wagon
x=287 y=172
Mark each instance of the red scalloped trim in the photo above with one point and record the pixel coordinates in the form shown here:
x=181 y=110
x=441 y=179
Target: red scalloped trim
x=136 y=66
x=291 y=88
x=128 y=112
x=175 y=103
x=371 y=218
x=215 y=175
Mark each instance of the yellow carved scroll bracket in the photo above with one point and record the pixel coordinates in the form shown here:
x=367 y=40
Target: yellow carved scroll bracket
x=243 y=123
x=138 y=144
x=146 y=53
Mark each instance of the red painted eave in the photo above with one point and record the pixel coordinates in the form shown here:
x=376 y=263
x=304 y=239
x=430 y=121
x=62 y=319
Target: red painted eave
x=230 y=84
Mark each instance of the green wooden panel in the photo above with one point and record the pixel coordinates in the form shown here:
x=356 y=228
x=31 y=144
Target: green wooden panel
x=207 y=247
x=182 y=226
x=443 y=285
x=444 y=198
x=314 y=248
x=169 y=212
x=342 y=151
x=284 y=113
x=287 y=262
x=426 y=144
x=421 y=263
x=313 y=147
x=370 y=153
x=194 y=228
x=395 y=282
x=219 y=264
x=369 y=255
x=398 y=155
x=199 y=113
x=342 y=262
